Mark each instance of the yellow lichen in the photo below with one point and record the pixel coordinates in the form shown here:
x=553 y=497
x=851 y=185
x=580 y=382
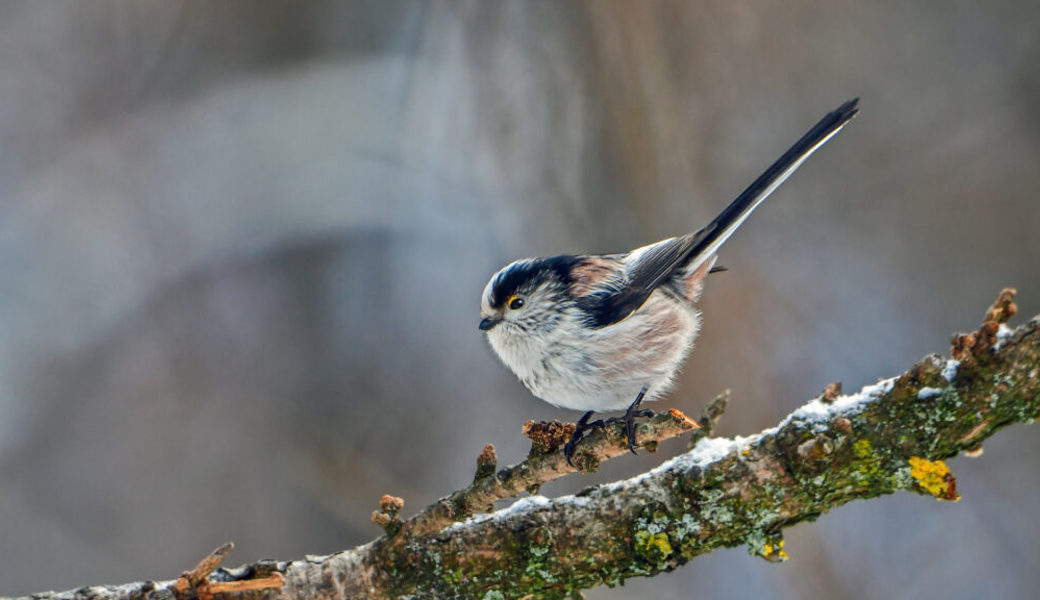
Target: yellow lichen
x=869 y=465
x=653 y=546
x=774 y=553
x=935 y=478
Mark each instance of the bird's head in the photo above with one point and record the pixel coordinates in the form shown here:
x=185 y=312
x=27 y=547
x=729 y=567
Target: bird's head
x=526 y=296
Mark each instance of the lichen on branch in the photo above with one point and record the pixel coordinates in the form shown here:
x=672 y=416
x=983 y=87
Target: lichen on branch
x=891 y=436
x=887 y=437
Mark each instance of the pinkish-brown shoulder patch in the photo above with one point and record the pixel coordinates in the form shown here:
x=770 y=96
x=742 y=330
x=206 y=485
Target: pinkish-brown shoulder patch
x=591 y=273
x=695 y=281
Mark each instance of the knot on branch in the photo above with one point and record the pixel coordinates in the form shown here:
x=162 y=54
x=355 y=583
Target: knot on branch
x=843 y=425
x=387 y=515
x=966 y=347
x=831 y=392
x=817 y=448
x=195 y=584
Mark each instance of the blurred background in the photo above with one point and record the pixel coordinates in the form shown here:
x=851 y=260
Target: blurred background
x=242 y=246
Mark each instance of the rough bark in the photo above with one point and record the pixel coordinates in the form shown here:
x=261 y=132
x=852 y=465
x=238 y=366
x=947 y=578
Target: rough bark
x=724 y=492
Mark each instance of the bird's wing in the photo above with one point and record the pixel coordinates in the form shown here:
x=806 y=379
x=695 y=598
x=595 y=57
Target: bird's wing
x=639 y=273
x=652 y=265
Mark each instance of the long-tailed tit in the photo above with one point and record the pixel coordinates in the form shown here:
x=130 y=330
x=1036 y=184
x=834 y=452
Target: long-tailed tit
x=606 y=332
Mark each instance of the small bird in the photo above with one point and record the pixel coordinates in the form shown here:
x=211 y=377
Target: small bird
x=606 y=332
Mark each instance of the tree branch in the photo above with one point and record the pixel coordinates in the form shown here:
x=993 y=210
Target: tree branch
x=544 y=463
x=724 y=492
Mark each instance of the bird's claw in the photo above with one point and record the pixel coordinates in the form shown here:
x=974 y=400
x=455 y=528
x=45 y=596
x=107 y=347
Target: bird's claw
x=630 y=419
x=568 y=448
x=630 y=426
x=580 y=428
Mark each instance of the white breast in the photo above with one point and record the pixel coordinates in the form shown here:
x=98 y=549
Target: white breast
x=602 y=369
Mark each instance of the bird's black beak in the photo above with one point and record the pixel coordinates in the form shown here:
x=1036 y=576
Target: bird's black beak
x=488 y=323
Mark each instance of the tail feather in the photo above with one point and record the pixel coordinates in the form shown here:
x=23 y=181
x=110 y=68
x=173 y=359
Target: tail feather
x=650 y=266
x=708 y=240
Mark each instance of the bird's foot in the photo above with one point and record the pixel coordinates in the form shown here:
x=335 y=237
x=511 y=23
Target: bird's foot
x=631 y=414
x=583 y=425
x=630 y=425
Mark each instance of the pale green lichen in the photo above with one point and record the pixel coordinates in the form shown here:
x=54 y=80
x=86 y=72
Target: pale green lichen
x=769 y=546
x=687 y=525
x=539 y=564
x=902 y=479
x=659 y=521
x=713 y=509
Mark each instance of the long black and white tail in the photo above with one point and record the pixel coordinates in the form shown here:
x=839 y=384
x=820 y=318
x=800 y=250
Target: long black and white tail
x=714 y=234
x=650 y=266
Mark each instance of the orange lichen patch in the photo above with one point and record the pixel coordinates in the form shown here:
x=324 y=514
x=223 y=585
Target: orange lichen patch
x=961 y=346
x=1003 y=308
x=391 y=504
x=487 y=462
x=964 y=345
x=547 y=436
x=987 y=335
x=487 y=455
x=386 y=516
x=935 y=478
x=684 y=421
x=381 y=518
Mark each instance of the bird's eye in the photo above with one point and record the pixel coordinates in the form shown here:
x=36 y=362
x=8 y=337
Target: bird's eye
x=516 y=302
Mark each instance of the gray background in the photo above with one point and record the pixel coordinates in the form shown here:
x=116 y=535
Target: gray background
x=242 y=246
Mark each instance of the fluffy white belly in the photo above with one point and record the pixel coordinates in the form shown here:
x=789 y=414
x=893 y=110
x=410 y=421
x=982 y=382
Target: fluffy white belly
x=604 y=369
